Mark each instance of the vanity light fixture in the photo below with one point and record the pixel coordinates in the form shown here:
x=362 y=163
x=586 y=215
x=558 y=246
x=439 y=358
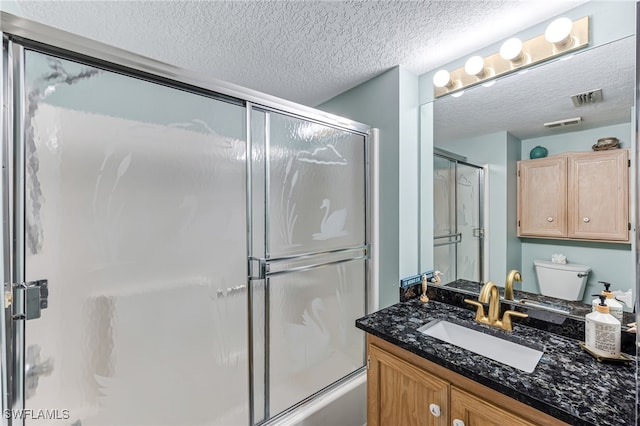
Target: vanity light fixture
x=475 y=66
x=443 y=79
x=560 y=37
x=511 y=50
x=559 y=33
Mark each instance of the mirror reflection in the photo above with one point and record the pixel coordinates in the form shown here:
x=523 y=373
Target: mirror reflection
x=480 y=137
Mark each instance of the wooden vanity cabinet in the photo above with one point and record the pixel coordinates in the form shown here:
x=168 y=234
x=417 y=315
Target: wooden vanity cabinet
x=400 y=393
x=473 y=411
x=404 y=389
x=577 y=195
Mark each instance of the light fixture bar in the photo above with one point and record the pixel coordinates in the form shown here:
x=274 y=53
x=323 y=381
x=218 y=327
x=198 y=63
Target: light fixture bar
x=534 y=51
x=562 y=123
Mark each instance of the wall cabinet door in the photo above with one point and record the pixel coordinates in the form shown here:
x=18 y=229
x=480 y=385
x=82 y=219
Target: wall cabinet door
x=399 y=393
x=598 y=190
x=577 y=195
x=542 y=197
x=473 y=411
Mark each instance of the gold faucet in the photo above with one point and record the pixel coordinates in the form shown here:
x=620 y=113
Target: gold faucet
x=508 y=285
x=489 y=294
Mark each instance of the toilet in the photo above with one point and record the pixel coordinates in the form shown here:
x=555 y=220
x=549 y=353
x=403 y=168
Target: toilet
x=562 y=280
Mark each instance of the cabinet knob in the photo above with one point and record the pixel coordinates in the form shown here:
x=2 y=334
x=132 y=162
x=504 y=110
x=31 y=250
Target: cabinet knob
x=549 y=219
x=458 y=422
x=435 y=409
x=585 y=219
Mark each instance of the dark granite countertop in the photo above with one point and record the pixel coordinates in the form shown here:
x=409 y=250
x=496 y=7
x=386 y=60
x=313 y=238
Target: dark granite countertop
x=567 y=383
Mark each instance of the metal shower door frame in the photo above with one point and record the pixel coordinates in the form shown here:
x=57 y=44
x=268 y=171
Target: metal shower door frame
x=19 y=34
x=455 y=238
x=259 y=267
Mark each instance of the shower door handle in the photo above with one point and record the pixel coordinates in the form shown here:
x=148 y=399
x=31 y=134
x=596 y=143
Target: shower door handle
x=29 y=299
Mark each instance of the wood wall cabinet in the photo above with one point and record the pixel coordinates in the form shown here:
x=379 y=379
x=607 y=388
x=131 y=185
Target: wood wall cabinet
x=576 y=195
x=404 y=389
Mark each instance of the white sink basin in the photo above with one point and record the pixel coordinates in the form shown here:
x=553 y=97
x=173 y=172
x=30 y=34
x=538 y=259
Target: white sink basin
x=504 y=351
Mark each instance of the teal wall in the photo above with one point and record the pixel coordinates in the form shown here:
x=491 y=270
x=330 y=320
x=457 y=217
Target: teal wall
x=409 y=200
x=10 y=6
x=377 y=103
x=610 y=21
x=614 y=263
x=425 y=228
x=389 y=102
x=498 y=153
x=513 y=245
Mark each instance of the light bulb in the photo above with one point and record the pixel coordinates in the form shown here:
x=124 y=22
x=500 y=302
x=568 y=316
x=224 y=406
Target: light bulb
x=474 y=66
x=442 y=78
x=559 y=32
x=511 y=50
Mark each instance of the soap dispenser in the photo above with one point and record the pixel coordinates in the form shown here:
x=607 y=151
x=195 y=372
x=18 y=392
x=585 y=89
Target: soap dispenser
x=423 y=297
x=615 y=307
x=602 y=331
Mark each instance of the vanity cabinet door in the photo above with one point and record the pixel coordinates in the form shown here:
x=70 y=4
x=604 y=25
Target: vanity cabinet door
x=598 y=205
x=542 y=197
x=473 y=411
x=399 y=393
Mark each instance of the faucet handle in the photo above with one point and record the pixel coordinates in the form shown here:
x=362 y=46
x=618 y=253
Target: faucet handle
x=480 y=316
x=506 y=319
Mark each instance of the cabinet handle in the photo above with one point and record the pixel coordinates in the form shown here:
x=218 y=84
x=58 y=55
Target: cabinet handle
x=458 y=422
x=549 y=219
x=435 y=409
x=585 y=219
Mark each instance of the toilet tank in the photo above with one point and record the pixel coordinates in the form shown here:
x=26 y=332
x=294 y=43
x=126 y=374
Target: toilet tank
x=562 y=280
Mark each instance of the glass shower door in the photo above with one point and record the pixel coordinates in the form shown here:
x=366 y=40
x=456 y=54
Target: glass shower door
x=458 y=219
x=309 y=251
x=134 y=206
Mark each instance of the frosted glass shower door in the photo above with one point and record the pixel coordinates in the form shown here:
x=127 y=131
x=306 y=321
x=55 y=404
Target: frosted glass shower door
x=309 y=183
x=458 y=219
x=445 y=236
x=135 y=213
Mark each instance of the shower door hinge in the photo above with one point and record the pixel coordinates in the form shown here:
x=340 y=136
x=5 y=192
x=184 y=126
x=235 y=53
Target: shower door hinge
x=29 y=299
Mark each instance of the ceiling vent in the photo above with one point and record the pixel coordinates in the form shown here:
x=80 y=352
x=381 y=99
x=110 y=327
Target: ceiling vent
x=587 y=98
x=563 y=123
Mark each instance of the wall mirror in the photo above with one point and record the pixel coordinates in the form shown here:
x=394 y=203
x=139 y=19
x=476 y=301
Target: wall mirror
x=496 y=126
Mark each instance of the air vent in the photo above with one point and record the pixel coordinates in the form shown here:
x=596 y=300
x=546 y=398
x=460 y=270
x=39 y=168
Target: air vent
x=587 y=98
x=563 y=123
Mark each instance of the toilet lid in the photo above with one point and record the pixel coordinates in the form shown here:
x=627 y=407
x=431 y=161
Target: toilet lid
x=564 y=266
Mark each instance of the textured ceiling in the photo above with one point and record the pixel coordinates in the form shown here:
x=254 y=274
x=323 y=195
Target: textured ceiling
x=304 y=51
x=522 y=103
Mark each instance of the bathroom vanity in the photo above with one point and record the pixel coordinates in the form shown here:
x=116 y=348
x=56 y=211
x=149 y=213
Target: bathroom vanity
x=417 y=379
